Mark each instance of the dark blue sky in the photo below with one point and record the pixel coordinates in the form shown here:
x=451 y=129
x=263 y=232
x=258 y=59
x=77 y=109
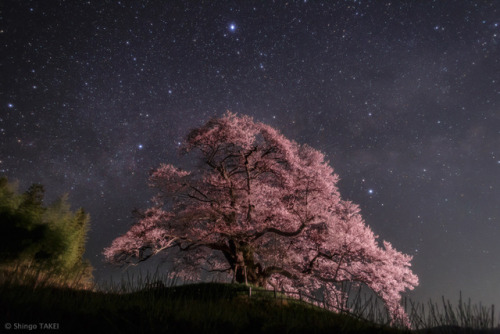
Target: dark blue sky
x=403 y=97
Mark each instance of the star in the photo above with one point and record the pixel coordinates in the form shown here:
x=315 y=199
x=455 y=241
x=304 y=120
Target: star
x=413 y=115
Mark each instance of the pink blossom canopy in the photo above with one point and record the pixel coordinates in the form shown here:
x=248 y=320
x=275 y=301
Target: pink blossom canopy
x=263 y=209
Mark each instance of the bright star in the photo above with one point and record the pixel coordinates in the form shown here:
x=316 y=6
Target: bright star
x=140 y=146
x=232 y=27
x=370 y=191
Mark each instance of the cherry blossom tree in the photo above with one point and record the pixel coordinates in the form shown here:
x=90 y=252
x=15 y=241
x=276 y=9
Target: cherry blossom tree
x=264 y=210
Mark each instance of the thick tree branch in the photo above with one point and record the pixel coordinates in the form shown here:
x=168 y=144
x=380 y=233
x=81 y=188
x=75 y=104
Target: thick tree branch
x=279 y=232
x=282 y=233
x=278 y=270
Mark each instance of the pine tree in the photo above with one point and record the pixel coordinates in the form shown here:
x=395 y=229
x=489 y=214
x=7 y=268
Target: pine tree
x=51 y=238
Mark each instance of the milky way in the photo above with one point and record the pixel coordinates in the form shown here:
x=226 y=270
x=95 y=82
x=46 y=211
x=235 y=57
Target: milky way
x=402 y=97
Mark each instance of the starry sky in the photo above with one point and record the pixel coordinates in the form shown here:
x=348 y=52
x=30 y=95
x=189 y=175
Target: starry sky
x=403 y=97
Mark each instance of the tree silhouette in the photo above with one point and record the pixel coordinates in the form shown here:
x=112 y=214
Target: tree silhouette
x=51 y=238
x=264 y=210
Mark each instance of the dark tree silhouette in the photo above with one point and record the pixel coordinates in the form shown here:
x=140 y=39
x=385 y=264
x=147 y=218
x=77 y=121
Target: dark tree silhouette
x=51 y=238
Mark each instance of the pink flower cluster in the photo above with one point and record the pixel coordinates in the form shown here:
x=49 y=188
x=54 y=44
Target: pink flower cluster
x=269 y=205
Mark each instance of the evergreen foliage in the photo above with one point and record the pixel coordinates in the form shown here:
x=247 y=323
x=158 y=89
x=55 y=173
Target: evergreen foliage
x=49 y=238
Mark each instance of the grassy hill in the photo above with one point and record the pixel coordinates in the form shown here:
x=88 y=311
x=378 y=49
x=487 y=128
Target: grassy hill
x=197 y=308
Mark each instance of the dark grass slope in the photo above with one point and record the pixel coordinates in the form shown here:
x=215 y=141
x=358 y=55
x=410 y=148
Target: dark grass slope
x=197 y=308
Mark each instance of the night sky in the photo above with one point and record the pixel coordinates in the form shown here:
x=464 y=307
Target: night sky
x=403 y=97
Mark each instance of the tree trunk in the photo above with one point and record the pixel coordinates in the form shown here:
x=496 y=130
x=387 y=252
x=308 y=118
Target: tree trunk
x=245 y=269
x=254 y=275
